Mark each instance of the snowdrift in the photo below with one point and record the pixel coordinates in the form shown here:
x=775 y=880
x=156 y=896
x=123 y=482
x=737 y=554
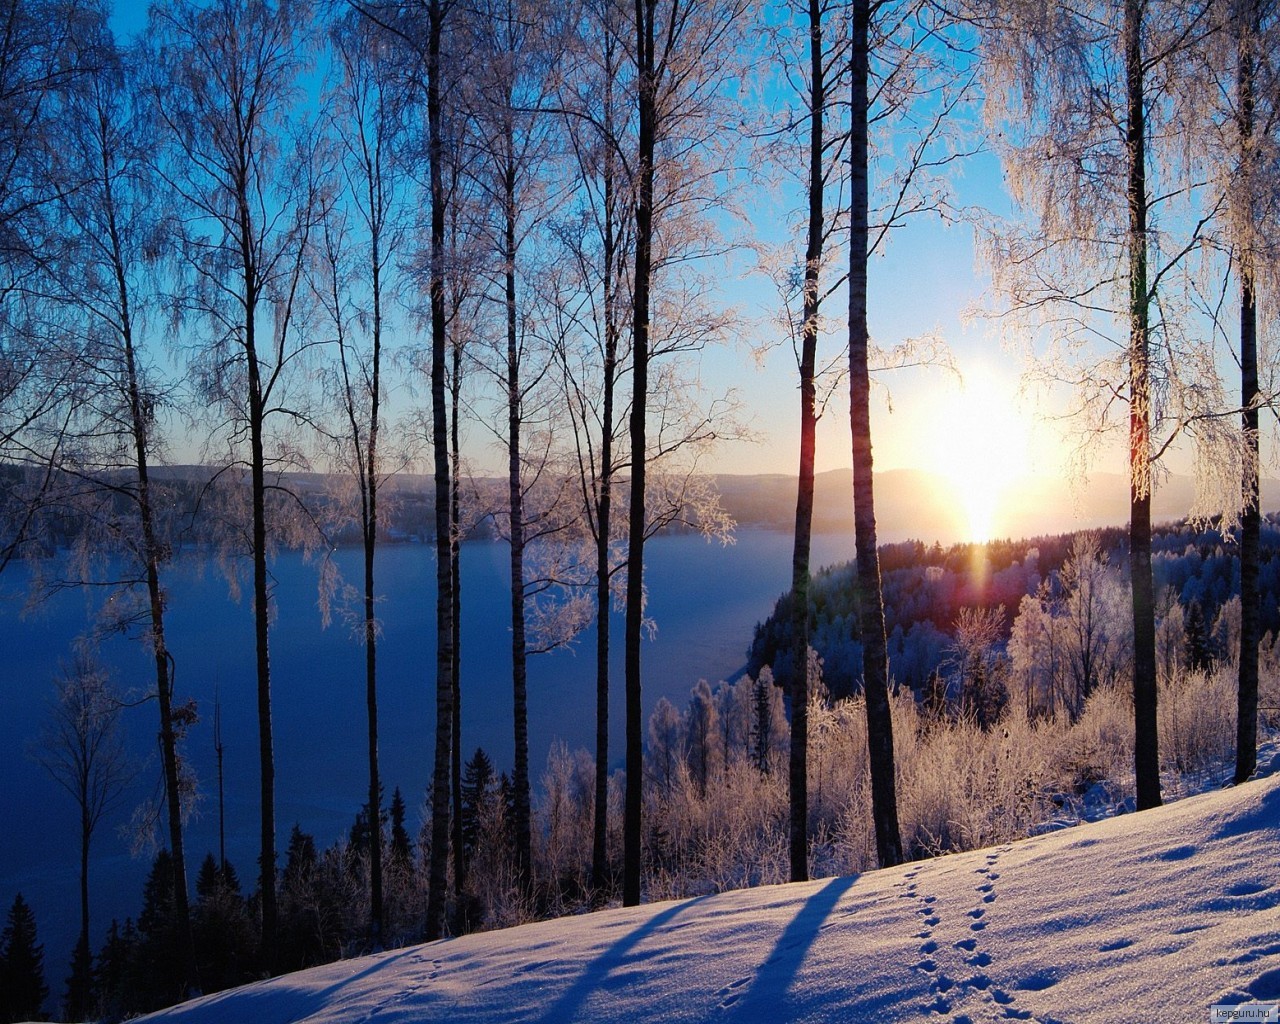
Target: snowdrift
x=1150 y=917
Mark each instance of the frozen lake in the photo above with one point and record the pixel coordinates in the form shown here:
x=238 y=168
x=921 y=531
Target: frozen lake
x=705 y=599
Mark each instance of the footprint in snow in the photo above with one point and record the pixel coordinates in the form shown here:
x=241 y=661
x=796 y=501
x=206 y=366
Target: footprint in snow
x=976 y=914
x=977 y=926
x=1038 y=982
x=928 y=966
x=979 y=960
x=731 y=992
x=929 y=947
x=984 y=887
x=1266 y=985
x=968 y=945
x=1257 y=953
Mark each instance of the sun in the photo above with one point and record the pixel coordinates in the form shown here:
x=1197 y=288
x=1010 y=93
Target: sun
x=982 y=451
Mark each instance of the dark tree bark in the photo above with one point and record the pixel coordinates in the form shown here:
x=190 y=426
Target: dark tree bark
x=439 y=862
x=152 y=550
x=799 y=757
x=515 y=499
x=1146 y=739
x=646 y=66
x=1251 y=518
x=875 y=660
x=455 y=570
x=604 y=495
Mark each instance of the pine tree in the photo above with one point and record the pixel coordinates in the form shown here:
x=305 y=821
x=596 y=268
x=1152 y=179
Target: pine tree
x=477 y=781
x=1196 y=633
x=159 y=957
x=113 y=974
x=401 y=844
x=22 y=987
x=762 y=704
x=223 y=931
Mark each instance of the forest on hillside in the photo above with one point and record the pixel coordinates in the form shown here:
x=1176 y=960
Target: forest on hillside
x=291 y=241
x=928 y=588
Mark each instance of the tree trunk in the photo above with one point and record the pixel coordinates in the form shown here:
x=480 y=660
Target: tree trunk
x=646 y=88
x=139 y=429
x=1251 y=520
x=455 y=564
x=438 y=868
x=604 y=514
x=261 y=620
x=370 y=531
x=515 y=497
x=875 y=660
x=1146 y=755
x=799 y=763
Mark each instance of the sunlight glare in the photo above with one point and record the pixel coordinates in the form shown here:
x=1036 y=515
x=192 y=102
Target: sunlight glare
x=983 y=451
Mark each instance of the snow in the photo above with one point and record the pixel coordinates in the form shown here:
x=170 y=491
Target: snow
x=1148 y=917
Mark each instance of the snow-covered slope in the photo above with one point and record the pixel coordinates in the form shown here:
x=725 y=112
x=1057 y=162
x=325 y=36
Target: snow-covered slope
x=1150 y=917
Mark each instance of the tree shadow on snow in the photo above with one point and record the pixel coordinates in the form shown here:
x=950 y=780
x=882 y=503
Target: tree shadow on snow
x=768 y=992
x=603 y=971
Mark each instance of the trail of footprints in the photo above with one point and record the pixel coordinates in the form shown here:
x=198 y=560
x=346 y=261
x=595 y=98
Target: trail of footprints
x=950 y=996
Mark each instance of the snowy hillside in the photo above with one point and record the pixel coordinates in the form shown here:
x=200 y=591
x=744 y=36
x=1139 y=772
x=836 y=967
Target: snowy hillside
x=1151 y=917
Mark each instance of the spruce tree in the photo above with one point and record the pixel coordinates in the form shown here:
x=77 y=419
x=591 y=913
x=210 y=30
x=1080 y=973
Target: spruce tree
x=401 y=845
x=114 y=972
x=223 y=931
x=477 y=780
x=22 y=987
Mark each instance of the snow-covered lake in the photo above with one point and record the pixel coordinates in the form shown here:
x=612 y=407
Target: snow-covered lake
x=704 y=598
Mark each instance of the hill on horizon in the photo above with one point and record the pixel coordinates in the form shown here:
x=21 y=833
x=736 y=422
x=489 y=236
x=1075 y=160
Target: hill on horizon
x=1142 y=917
x=913 y=504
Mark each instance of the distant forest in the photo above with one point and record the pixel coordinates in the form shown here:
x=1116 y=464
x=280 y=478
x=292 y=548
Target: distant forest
x=926 y=588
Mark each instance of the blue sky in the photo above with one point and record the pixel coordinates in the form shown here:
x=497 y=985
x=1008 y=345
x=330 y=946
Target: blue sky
x=924 y=283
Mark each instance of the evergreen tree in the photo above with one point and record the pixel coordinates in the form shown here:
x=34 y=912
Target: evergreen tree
x=223 y=931
x=1196 y=633
x=22 y=987
x=477 y=780
x=762 y=700
x=401 y=845
x=113 y=974
x=300 y=858
x=159 y=957
x=78 y=1002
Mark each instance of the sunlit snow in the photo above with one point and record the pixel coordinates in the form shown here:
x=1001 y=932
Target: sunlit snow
x=1150 y=917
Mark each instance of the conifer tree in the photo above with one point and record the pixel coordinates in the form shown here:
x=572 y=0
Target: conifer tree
x=22 y=987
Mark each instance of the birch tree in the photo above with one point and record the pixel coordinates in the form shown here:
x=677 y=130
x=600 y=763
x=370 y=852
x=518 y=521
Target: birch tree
x=370 y=105
x=1081 y=98
x=82 y=749
x=227 y=96
x=683 y=54
x=41 y=68
x=910 y=78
